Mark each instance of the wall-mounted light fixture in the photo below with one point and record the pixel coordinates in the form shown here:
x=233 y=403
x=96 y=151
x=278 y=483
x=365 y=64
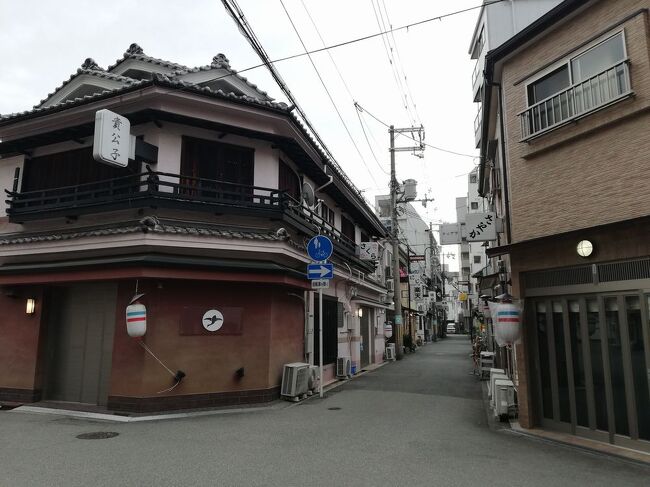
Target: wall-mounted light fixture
x=31 y=306
x=360 y=312
x=585 y=248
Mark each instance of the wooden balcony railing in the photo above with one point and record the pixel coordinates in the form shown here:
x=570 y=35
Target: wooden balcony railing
x=160 y=189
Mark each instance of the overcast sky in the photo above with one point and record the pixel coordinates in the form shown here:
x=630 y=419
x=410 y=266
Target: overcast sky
x=42 y=43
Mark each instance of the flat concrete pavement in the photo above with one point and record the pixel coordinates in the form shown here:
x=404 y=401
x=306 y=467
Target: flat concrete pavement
x=417 y=422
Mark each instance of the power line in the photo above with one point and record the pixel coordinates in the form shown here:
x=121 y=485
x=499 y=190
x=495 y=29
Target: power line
x=401 y=65
x=237 y=15
x=328 y=53
x=370 y=145
x=358 y=39
x=313 y=23
x=393 y=67
x=328 y=92
x=359 y=107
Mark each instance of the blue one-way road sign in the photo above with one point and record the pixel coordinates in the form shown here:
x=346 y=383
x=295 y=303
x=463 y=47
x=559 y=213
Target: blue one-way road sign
x=320 y=271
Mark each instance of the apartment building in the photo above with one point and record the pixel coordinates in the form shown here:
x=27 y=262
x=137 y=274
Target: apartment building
x=568 y=98
x=212 y=227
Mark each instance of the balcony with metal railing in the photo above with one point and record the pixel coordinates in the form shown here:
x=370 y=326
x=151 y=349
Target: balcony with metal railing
x=579 y=100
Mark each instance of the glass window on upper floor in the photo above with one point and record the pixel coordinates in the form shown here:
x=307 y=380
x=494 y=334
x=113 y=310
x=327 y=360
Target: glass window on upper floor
x=474 y=205
x=577 y=69
x=582 y=83
x=472 y=178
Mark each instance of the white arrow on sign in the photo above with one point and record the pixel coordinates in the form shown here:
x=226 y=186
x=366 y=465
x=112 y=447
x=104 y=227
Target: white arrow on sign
x=322 y=270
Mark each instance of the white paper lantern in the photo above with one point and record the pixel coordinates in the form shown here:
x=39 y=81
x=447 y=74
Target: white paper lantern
x=136 y=320
x=388 y=330
x=506 y=320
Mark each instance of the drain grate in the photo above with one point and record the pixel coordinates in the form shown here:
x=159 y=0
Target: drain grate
x=334 y=409
x=98 y=435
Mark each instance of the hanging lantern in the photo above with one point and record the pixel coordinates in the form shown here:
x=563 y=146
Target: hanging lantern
x=388 y=329
x=506 y=319
x=136 y=319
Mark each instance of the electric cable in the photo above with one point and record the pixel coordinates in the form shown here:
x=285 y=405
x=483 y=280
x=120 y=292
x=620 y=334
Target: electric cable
x=388 y=49
x=237 y=15
x=329 y=95
x=370 y=145
x=352 y=41
x=359 y=107
x=144 y=345
x=401 y=65
x=345 y=84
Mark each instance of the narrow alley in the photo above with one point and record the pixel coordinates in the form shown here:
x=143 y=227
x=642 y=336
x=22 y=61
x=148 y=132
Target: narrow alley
x=420 y=421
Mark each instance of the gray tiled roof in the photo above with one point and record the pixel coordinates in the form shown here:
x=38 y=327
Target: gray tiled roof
x=220 y=61
x=136 y=52
x=149 y=224
x=90 y=67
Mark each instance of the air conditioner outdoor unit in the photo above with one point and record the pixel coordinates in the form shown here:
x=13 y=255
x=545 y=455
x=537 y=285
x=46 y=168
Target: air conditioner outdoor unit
x=314 y=379
x=295 y=381
x=494 y=375
x=343 y=367
x=390 y=351
x=504 y=398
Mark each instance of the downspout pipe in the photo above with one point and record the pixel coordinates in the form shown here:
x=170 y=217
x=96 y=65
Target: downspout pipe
x=506 y=192
x=488 y=75
x=327 y=183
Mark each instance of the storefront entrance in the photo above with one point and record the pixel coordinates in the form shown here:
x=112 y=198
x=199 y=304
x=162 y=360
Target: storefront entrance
x=591 y=358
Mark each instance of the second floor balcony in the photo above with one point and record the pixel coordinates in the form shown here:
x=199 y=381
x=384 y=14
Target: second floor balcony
x=161 y=190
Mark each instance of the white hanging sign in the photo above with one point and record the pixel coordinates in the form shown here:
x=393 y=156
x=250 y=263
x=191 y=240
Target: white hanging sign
x=113 y=142
x=369 y=251
x=450 y=234
x=481 y=227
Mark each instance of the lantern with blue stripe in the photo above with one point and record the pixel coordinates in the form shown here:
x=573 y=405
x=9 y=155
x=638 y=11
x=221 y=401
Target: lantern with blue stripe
x=506 y=320
x=136 y=320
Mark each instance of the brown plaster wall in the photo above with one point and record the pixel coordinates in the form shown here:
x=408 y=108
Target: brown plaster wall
x=591 y=172
x=287 y=324
x=271 y=335
x=20 y=339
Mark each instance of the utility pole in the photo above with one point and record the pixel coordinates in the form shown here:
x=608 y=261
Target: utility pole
x=394 y=189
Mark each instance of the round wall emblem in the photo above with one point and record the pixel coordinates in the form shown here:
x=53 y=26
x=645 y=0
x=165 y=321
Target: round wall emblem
x=212 y=320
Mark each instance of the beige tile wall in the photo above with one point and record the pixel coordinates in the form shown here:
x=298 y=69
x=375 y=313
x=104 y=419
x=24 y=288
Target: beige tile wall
x=592 y=172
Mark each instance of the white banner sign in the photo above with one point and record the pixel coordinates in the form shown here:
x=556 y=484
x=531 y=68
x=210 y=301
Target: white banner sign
x=481 y=227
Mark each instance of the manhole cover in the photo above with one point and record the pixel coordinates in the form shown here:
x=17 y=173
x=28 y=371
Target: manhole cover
x=334 y=409
x=99 y=435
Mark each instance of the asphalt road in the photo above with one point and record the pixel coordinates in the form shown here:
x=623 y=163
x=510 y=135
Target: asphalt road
x=417 y=422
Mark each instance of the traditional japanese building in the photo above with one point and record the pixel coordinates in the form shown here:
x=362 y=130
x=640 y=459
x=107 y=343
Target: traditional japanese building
x=209 y=215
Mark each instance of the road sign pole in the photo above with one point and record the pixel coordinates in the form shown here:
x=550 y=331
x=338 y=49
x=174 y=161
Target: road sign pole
x=320 y=340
